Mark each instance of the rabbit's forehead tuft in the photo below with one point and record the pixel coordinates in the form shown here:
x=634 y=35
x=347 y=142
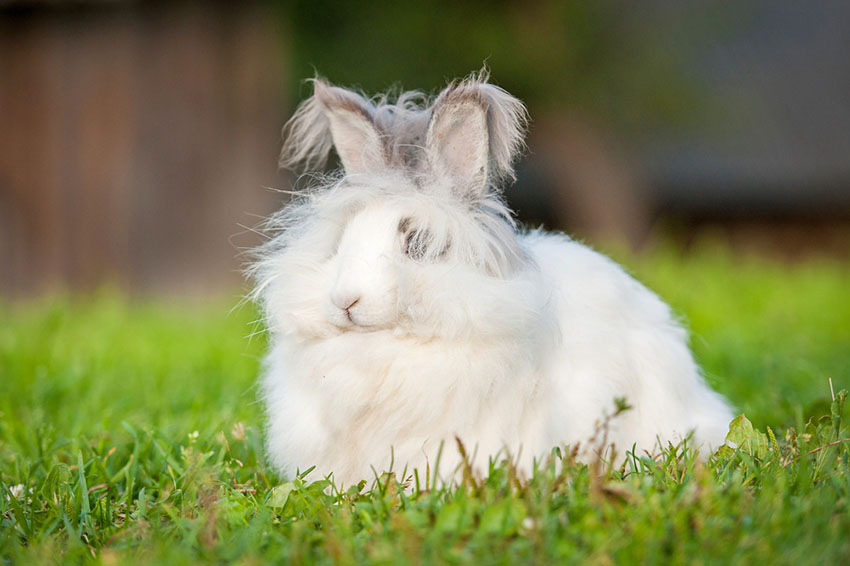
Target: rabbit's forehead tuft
x=378 y=218
x=390 y=219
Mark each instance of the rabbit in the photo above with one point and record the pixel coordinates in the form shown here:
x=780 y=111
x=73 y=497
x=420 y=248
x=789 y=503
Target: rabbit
x=406 y=307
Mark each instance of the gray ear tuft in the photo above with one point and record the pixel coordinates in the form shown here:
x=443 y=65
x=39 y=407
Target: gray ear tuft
x=333 y=117
x=306 y=136
x=507 y=119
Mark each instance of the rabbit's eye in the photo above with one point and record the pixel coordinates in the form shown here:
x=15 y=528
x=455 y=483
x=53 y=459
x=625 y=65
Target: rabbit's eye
x=416 y=244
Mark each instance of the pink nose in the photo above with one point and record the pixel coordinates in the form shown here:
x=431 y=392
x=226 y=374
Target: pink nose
x=344 y=300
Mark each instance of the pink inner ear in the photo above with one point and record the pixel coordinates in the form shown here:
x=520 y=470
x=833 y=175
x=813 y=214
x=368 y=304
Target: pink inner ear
x=357 y=141
x=458 y=146
x=356 y=137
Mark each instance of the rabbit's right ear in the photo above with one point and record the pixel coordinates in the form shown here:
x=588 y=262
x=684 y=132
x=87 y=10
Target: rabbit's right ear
x=457 y=142
x=475 y=135
x=334 y=116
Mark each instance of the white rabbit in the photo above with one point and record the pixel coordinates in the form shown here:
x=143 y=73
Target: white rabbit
x=406 y=308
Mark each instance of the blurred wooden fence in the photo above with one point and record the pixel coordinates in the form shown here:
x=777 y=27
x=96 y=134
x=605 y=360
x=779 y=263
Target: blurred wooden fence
x=135 y=142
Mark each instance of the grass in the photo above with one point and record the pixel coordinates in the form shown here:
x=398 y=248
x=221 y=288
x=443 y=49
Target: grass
x=130 y=433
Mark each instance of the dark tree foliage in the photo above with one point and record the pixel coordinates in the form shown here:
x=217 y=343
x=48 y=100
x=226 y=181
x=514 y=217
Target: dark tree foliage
x=612 y=59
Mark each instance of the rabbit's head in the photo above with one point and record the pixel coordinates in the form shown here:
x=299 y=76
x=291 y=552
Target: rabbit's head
x=412 y=236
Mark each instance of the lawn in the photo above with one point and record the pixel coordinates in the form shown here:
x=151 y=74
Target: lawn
x=130 y=432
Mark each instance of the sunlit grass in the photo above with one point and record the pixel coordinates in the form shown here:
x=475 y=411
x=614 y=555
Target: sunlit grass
x=130 y=432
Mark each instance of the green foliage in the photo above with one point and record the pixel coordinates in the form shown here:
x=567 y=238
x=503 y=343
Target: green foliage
x=131 y=434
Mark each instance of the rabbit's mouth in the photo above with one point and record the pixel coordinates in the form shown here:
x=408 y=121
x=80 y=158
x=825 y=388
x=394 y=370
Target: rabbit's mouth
x=350 y=320
x=357 y=325
x=360 y=328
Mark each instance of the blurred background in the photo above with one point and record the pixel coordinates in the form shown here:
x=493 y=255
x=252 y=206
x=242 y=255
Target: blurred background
x=139 y=140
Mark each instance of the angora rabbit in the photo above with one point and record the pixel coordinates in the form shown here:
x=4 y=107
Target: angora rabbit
x=406 y=308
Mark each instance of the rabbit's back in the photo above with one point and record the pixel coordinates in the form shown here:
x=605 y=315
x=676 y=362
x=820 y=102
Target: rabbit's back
x=618 y=339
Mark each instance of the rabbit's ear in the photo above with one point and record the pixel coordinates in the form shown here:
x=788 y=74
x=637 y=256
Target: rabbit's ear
x=338 y=117
x=457 y=142
x=475 y=134
x=356 y=137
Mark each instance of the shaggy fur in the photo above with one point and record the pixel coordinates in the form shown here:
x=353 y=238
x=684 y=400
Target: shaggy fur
x=406 y=308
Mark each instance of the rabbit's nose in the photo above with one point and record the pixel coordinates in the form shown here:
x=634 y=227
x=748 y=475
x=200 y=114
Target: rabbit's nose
x=345 y=300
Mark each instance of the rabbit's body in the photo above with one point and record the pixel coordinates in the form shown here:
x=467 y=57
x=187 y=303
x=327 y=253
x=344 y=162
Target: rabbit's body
x=406 y=310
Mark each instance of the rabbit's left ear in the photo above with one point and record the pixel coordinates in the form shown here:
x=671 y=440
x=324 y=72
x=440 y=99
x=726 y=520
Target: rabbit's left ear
x=458 y=143
x=475 y=135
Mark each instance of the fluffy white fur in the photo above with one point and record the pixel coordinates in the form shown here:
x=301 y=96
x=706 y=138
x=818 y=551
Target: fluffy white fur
x=406 y=308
